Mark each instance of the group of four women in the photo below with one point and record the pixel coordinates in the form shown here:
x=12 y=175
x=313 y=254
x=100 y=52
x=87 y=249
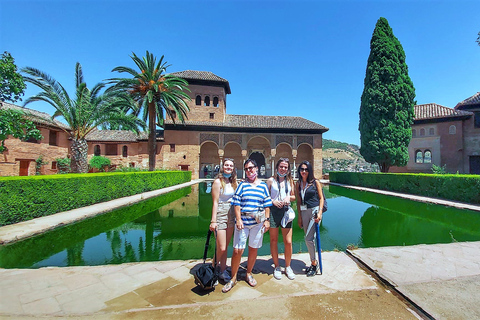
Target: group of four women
x=252 y=207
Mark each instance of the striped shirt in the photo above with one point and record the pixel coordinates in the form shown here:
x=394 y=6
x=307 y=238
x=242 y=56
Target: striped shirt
x=251 y=198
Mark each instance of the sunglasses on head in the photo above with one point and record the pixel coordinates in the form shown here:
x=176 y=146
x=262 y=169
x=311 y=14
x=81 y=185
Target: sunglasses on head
x=284 y=159
x=228 y=159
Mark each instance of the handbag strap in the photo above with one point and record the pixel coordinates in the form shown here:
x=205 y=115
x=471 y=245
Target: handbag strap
x=207 y=244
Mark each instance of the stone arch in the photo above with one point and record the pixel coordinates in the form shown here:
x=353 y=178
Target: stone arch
x=258 y=148
x=283 y=150
x=304 y=152
x=208 y=159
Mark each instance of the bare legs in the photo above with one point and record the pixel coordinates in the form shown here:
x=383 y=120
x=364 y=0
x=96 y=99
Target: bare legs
x=223 y=240
x=287 y=241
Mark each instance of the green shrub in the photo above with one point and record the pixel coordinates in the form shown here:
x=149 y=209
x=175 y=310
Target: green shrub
x=25 y=198
x=63 y=165
x=99 y=162
x=456 y=187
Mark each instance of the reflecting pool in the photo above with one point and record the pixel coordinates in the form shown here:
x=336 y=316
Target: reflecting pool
x=174 y=226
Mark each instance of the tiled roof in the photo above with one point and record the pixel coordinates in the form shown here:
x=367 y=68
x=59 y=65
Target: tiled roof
x=254 y=121
x=35 y=116
x=114 y=135
x=436 y=111
x=202 y=76
x=473 y=100
x=198 y=75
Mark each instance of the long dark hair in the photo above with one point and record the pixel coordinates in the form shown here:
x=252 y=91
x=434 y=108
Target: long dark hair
x=310 y=177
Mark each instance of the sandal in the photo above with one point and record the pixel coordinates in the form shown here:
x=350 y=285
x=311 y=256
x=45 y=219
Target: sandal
x=250 y=280
x=230 y=284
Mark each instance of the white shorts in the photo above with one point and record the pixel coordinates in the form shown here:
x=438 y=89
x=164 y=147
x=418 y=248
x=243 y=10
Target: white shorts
x=253 y=233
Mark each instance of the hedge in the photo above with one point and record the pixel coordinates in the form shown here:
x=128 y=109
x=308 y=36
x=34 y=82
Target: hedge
x=457 y=187
x=25 y=198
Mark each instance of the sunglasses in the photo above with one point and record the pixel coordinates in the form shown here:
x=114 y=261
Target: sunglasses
x=284 y=159
x=303 y=170
x=250 y=168
x=228 y=159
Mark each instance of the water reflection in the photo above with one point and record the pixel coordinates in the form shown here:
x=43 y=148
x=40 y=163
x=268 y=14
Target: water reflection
x=174 y=226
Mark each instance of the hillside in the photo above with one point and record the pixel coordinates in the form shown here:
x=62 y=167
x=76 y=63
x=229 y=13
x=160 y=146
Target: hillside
x=341 y=156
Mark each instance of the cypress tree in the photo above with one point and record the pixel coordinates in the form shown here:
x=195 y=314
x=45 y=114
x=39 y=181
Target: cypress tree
x=388 y=100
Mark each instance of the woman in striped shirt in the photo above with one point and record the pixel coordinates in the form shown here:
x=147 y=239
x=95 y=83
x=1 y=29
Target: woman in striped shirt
x=251 y=202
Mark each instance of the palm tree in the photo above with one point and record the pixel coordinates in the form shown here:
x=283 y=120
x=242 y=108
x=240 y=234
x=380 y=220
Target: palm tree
x=154 y=91
x=87 y=111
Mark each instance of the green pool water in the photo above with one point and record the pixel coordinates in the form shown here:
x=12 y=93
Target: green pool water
x=174 y=227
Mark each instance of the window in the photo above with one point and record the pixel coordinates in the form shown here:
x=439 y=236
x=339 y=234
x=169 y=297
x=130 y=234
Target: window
x=125 y=151
x=52 y=139
x=206 y=102
x=477 y=119
x=428 y=157
x=32 y=140
x=96 y=150
x=418 y=156
x=431 y=131
x=54 y=165
x=215 y=101
x=198 y=100
x=414 y=133
x=452 y=129
x=172 y=147
x=212 y=115
x=422 y=132
x=111 y=149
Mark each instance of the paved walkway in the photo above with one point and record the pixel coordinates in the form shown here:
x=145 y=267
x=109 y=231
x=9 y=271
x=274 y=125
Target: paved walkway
x=442 y=279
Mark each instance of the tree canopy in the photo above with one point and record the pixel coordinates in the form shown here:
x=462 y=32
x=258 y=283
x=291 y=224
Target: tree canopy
x=89 y=110
x=15 y=123
x=11 y=82
x=155 y=93
x=387 y=102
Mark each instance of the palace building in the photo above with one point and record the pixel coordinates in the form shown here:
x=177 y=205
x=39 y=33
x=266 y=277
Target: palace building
x=199 y=145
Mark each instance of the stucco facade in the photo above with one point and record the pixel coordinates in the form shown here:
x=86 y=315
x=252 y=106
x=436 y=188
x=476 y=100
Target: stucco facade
x=445 y=137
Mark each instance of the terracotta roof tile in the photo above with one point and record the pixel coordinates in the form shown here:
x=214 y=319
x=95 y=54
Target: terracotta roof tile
x=473 y=100
x=255 y=121
x=198 y=75
x=114 y=135
x=35 y=116
x=434 y=111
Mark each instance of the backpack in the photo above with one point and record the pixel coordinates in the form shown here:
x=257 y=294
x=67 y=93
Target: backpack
x=206 y=276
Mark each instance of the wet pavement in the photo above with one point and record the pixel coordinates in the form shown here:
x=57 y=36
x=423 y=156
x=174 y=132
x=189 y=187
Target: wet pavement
x=438 y=281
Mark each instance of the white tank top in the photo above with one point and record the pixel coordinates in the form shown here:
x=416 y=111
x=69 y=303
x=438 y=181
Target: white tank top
x=278 y=194
x=226 y=194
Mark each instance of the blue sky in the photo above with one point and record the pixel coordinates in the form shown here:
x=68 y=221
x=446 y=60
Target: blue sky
x=289 y=58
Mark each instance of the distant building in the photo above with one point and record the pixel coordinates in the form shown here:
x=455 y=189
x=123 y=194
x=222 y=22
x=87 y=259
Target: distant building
x=208 y=136
x=19 y=159
x=445 y=137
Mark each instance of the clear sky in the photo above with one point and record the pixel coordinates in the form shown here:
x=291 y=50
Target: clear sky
x=288 y=58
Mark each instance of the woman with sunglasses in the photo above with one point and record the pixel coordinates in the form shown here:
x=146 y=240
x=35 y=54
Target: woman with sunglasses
x=308 y=191
x=252 y=219
x=282 y=194
x=223 y=215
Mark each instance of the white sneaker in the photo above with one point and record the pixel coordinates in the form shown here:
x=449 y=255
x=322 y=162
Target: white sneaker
x=277 y=273
x=289 y=273
x=225 y=276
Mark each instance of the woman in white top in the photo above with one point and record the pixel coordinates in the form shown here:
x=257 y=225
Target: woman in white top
x=223 y=216
x=282 y=193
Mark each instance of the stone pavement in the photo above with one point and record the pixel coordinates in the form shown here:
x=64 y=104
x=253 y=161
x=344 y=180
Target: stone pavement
x=442 y=279
x=166 y=290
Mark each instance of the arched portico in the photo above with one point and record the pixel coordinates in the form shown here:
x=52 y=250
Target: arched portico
x=258 y=149
x=209 y=159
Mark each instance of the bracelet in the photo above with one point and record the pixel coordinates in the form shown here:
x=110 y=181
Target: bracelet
x=267 y=219
x=213 y=221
